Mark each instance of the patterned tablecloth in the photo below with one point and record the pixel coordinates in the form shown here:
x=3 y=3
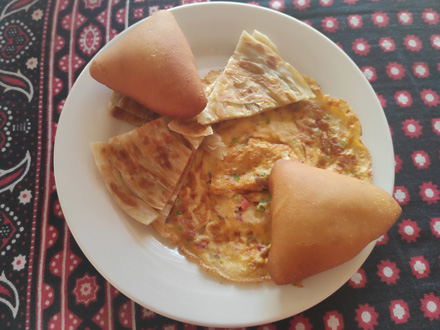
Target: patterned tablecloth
x=46 y=282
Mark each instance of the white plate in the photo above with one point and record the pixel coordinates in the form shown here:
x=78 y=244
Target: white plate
x=131 y=256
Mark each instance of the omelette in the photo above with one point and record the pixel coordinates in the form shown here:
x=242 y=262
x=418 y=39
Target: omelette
x=260 y=110
x=221 y=216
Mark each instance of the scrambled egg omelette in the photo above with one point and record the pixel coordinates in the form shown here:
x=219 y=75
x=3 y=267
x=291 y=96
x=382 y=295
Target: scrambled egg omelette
x=221 y=216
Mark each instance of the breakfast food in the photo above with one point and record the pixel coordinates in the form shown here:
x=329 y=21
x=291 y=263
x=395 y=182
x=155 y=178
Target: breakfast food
x=208 y=183
x=143 y=168
x=126 y=109
x=221 y=217
x=255 y=79
x=321 y=219
x=153 y=65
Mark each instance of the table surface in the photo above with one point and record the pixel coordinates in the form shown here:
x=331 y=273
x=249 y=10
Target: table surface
x=46 y=282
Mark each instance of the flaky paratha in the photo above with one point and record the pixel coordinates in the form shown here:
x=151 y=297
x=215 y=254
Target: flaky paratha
x=256 y=79
x=145 y=164
x=122 y=195
x=126 y=109
x=193 y=132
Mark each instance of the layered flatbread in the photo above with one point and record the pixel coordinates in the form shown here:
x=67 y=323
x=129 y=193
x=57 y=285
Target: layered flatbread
x=255 y=79
x=147 y=164
x=129 y=202
x=126 y=109
x=193 y=132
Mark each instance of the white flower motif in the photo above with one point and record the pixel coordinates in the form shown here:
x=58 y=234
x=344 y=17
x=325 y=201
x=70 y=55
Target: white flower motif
x=399 y=311
x=32 y=63
x=37 y=15
x=25 y=196
x=419 y=267
x=400 y=195
x=90 y=39
x=19 y=262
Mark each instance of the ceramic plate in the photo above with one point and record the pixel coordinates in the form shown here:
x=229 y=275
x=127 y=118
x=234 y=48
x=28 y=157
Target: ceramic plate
x=131 y=256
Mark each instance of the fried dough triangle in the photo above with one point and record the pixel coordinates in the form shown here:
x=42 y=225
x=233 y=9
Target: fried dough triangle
x=255 y=79
x=143 y=168
x=321 y=219
x=153 y=64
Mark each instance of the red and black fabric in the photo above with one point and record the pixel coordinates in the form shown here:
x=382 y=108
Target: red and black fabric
x=46 y=282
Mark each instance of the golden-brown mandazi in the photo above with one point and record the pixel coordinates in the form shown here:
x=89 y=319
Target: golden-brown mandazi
x=321 y=219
